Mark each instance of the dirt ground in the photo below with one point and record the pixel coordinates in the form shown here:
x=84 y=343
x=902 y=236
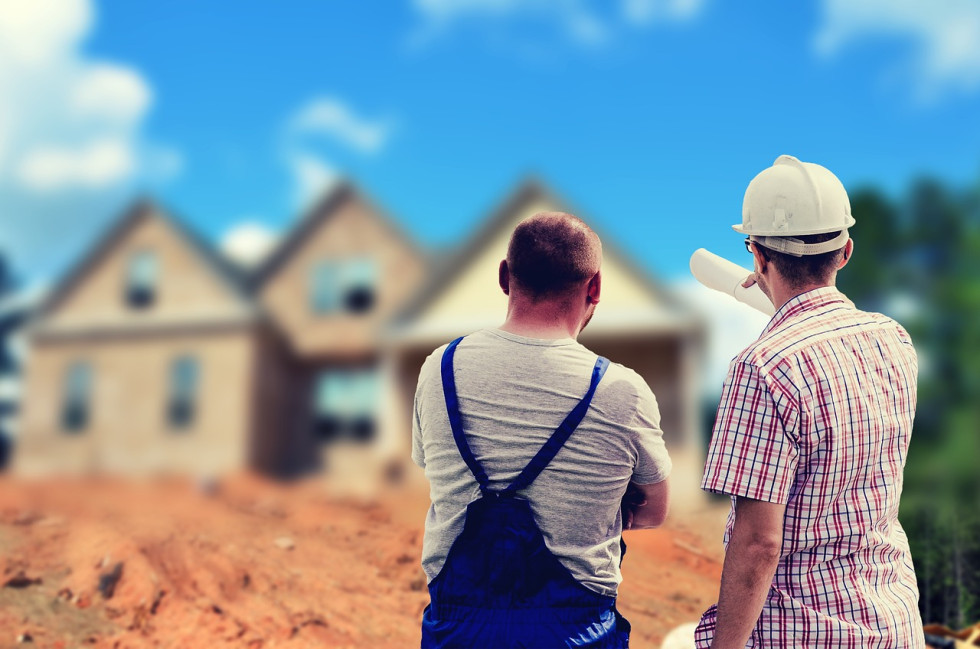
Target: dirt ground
x=253 y=564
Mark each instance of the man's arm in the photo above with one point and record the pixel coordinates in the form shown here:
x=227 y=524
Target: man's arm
x=750 y=563
x=418 y=449
x=645 y=506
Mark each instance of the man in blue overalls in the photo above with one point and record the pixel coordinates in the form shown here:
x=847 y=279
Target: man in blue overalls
x=530 y=443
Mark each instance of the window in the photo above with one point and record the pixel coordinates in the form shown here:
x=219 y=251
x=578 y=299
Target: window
x=141 y=279
x=75 y=406
x=185 y=373
x=323 y=287
x=345 y=404
x=359 y=279
x=343 y=285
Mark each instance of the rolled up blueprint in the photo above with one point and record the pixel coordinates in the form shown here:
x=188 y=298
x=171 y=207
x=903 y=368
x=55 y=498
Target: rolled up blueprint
x=722 y=275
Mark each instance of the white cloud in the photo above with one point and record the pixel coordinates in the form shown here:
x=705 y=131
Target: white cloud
x=93 y=164
x=582 y=22
x=732 y=326
x=68 y=122
x=35 y=32
x=944 y=38
x=332 y=118
x=586 y=28
x=109 y=93
x=72 y=141
x=312 y=176
x=573 y=18
x=447 y=9
x=248 y=243
x=332 y=124
x=643 y=12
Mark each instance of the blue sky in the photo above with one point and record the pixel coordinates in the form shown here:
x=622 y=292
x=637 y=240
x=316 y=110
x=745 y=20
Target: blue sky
x=650 y=116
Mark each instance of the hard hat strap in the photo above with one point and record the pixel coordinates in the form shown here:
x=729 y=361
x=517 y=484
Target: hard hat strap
x=798 y=248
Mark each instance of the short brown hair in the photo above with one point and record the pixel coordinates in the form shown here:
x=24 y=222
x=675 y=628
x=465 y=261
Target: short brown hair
x=806 y=269
x=550 y=252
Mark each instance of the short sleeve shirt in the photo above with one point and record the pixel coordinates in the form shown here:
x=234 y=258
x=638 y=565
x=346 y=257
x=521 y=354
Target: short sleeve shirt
x=513 y=392
x=817 y=415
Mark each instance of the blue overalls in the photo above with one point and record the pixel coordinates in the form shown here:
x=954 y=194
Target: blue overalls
x=500 y=586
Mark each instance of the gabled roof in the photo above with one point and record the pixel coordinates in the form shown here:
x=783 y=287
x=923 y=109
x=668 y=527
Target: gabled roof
x=320 y=212
x=531 y=189
x=138 y=210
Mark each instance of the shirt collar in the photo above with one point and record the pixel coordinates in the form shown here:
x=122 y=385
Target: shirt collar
x=807 y=301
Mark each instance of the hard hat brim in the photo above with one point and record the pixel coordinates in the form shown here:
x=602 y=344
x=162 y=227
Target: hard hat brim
x=741 y=229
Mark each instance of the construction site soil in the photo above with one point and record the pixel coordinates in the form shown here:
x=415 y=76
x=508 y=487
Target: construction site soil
x=254 y=564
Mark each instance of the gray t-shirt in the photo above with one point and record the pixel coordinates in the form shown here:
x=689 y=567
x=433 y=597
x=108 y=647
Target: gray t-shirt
x=513 y=393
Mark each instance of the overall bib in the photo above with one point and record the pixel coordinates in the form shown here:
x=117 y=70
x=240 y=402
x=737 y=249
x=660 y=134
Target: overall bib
x=500 y=586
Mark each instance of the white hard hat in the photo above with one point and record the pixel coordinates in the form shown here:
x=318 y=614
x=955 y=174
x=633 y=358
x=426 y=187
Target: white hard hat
x=793 y=198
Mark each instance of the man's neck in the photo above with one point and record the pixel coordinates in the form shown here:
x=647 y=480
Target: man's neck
x=540 y=322
x=542 y=331
x=784 y=293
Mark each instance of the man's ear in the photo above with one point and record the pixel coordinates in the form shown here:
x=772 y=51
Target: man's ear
x=503 y=277
x=848 y=251
x=761 y=263
x=594 y=288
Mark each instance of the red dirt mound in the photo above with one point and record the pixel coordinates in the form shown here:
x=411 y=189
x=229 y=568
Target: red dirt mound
x=256 y=564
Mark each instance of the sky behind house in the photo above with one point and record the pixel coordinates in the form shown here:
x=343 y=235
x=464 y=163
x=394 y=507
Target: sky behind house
x=649 y=116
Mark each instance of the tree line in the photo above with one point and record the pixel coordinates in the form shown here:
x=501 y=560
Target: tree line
x=917 y=259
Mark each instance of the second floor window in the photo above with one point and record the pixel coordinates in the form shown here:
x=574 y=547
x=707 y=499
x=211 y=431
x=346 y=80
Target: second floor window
x=348 y=285
x=141 y=279
x=76 y=397
x=324 y=282
x=185 y=375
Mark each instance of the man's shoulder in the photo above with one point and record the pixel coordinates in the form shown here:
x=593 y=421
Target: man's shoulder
x=808 y=330
x=432 y=365
x=625 y=390
x=887 y=323
x=484 y=338
x=436 y=356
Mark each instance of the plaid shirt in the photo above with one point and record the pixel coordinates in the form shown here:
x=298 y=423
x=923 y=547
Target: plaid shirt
x=817 y=415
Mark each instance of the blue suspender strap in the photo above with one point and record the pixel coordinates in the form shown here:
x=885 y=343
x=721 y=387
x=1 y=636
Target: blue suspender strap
x=455 y=421
x=561 y=434
x=547 y=452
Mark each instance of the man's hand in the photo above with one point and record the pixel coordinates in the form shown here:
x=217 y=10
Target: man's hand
x=632 y=499
x=753 y=554
x=750 y=281
x=645 y=506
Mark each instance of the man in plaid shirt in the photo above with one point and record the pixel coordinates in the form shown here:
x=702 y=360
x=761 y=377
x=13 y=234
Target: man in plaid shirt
x=810 y=442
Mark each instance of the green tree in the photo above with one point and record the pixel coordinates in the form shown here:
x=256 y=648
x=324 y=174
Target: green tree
x=918 y=259
x=7 y=282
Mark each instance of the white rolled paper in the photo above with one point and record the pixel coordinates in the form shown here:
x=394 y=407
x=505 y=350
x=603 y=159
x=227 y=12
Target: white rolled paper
x=722 y=275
